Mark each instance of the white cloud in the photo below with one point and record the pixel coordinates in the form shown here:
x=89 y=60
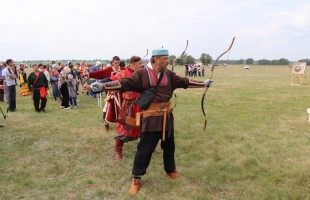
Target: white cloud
x=282 y=31
x=41 y=29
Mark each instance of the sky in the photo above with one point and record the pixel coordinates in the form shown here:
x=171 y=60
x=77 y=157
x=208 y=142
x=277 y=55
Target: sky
x=101 y=29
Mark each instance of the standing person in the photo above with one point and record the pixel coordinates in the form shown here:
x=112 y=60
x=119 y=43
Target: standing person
x=77 y=69
x=10 y=79
x=45 y=70
x=38 y=85
x=54 y=82
x=109 y=114
x=51 y=66
x=156 y=117
x=74 y=73
x=185 y=70
x=40 y=67
x=24 y=91
x=78 y=79
x=63 y=85
x=72 y=91
x=202 y=70
x=198 y=69
x=194 y=70
x=2 y=87
x=82 y=70
x=1 y=82
x=15 y=72
x=126 y=133
x=190 y=70
x=5 y=90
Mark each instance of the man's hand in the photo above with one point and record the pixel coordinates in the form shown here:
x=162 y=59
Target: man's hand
x=208 y=83
x=96 y=87
x=86 y=87
x=85 y=75
x=2 y=87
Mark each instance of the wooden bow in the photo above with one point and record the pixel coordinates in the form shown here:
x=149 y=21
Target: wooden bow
x=173 y=64
x=209 y=82
x=147 y=53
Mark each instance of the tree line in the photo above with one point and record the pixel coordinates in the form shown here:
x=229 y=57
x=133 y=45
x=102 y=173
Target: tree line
x=206 y=59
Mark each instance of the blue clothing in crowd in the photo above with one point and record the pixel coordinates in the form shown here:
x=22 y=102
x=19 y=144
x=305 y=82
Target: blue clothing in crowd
x=92 y=69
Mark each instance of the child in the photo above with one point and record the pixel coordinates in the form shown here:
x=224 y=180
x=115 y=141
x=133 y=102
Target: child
x=54 y=82
x=72 y=91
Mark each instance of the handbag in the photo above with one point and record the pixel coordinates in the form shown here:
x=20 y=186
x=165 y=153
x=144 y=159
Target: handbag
x=145 y=98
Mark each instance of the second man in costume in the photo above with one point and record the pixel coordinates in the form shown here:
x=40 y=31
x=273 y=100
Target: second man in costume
x=38 y=85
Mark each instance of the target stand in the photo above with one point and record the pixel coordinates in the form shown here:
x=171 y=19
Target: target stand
x=298 y=73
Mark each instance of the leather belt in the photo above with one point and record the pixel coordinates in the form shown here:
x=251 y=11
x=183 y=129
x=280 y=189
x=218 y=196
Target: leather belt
x=156 y=109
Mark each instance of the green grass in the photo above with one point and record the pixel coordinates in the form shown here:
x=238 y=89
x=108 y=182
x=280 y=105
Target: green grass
x=257 y=145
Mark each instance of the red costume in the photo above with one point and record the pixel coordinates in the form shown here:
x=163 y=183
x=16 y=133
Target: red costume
x=110 y=109
x=82 y=69
x=104 y=73
x=126 y=132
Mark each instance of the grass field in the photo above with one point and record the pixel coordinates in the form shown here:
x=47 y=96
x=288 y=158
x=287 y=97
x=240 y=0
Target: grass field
x=257 y=145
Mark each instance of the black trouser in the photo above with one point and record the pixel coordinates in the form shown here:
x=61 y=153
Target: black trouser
x=1 y=92
x=65 y=95
x=36 y=102
x=146 y=146
x=12 y=97
x=1 y=95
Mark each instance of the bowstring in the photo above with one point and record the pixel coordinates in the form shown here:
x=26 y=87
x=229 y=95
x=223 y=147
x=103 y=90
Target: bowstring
x=174 y=94
x=220 y=82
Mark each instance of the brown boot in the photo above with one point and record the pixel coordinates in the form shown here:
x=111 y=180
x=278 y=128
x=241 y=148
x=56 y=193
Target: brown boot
x=106 y=127
x=135 y=186
x=118 y=149
x=173 y=175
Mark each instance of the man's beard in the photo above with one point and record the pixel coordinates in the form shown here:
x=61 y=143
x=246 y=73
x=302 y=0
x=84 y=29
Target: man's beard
x=162 y=69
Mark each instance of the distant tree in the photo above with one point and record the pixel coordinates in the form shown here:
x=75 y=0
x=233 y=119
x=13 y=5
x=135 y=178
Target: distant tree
x=182 y=60
x=283 y=61
x=234 y=62
x=307 y=60
x=240 y=62
x=249 y=61
x=263 y=62
x=205 y=58
x=171 y=59
x=185 y=59
x=275 y=62
x=190 y=60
